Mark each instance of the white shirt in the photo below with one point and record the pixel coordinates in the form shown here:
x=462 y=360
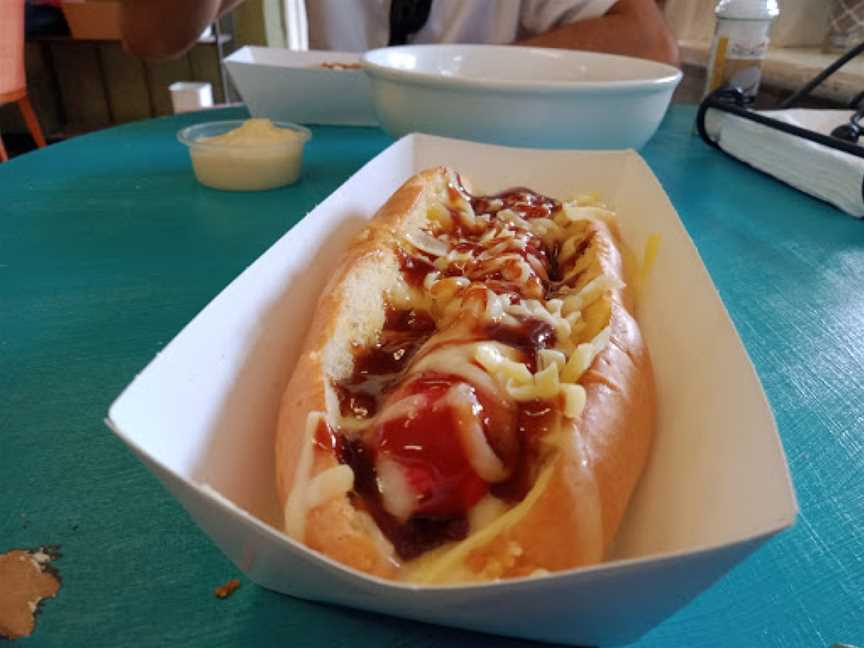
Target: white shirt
x=360 y=25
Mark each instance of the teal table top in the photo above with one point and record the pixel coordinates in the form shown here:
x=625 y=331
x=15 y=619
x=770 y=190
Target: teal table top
x=108 y=247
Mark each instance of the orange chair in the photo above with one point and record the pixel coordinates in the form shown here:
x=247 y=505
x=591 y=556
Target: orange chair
x=13 y=83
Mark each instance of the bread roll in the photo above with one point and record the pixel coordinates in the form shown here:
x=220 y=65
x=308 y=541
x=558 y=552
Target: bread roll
x=474 y=400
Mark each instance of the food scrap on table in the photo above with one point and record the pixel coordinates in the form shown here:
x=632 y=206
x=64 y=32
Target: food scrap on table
x=27 y=578
x=226 y=590
x=341 y=66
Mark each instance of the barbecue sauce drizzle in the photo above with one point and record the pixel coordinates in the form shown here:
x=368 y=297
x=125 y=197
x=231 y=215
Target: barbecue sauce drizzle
x=379 y=370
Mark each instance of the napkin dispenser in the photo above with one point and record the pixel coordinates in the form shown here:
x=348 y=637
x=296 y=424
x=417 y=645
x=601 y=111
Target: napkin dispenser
x=796 y=145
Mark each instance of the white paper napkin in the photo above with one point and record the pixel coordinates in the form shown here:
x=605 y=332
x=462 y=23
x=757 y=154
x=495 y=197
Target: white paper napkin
x=829 y=174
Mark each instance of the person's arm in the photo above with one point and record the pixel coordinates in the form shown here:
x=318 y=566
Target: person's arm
x=631 y=27
x=159 y=29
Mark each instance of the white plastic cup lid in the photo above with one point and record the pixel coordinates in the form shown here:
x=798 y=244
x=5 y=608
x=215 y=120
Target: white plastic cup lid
x=747 y=9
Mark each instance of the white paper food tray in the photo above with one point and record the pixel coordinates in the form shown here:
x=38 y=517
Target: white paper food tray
x=292 y=86
x=717 y=485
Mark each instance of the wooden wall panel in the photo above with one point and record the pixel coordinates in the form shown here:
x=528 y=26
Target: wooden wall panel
x=42 y=87
x=78 y=86
x=126 y=83
x=160 y=76
x=81 y=85
x=204 y=63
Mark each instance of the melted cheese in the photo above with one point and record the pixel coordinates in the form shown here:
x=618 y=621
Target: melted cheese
x=465 y=213
x=496 y=359
x=492 y=517
x=296 y=505
x=543 y=386
x=532 y=308
x=510 y=216
x=548 y=357
x=590 y=292
x=443 y=290
x=494 y=307
x=456 y=359
x=652 y=247
x=574 y=400
x=402 y=296
x=397 y=496
x=443 y=565
x=554 y=306
x=407 y=407
x=568 y=249
x=576 y=212
x=351 y=424
x=589 y=507
x=455 y=256
x=333 y=482
x=448 y=564
x=430 y=280
x=583 y=356
x=546 y=228
x=425 y=242
x=440 y=215
x=485 y=512
x=465 y=407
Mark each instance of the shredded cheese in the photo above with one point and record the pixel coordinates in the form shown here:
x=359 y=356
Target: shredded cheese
x=544 y=385
x=440 y=215
x=397 y=495
x=456 y=360
x=548 y=357
x=453 y=558
x=326 y=485
x=464 y=405
x=652 y=247
x=297 y=504
x=510 y=216
x=583 y=356
x=599 y=285
x=407 y=407
x=425 y=242
x=574 y=400
x=493 y=359
x=486 y=511
x=576 y=212
x=430 y=280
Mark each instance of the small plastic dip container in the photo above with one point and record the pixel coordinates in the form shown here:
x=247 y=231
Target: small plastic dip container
x=246 y=155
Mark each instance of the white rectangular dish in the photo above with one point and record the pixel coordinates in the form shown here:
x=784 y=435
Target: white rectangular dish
x=284 y=85
x=202 y=415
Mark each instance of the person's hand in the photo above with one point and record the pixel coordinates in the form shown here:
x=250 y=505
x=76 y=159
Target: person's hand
x=162 y=29
x=631 y=27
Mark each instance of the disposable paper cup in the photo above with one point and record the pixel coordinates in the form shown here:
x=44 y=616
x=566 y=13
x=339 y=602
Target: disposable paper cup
x=188 y=96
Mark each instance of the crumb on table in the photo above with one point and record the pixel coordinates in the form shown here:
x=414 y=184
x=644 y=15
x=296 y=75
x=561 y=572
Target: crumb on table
x=27 y=578
x=226 y=590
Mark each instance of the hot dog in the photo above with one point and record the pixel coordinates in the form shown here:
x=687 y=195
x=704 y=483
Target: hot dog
x=474 y=400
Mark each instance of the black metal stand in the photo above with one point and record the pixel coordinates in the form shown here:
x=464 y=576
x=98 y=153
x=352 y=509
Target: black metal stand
x=731 y=100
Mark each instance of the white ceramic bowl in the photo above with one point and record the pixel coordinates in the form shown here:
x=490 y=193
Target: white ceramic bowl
x=521 y=96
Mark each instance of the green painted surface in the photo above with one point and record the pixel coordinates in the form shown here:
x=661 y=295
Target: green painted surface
x=259 y=22
x=108 y=247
